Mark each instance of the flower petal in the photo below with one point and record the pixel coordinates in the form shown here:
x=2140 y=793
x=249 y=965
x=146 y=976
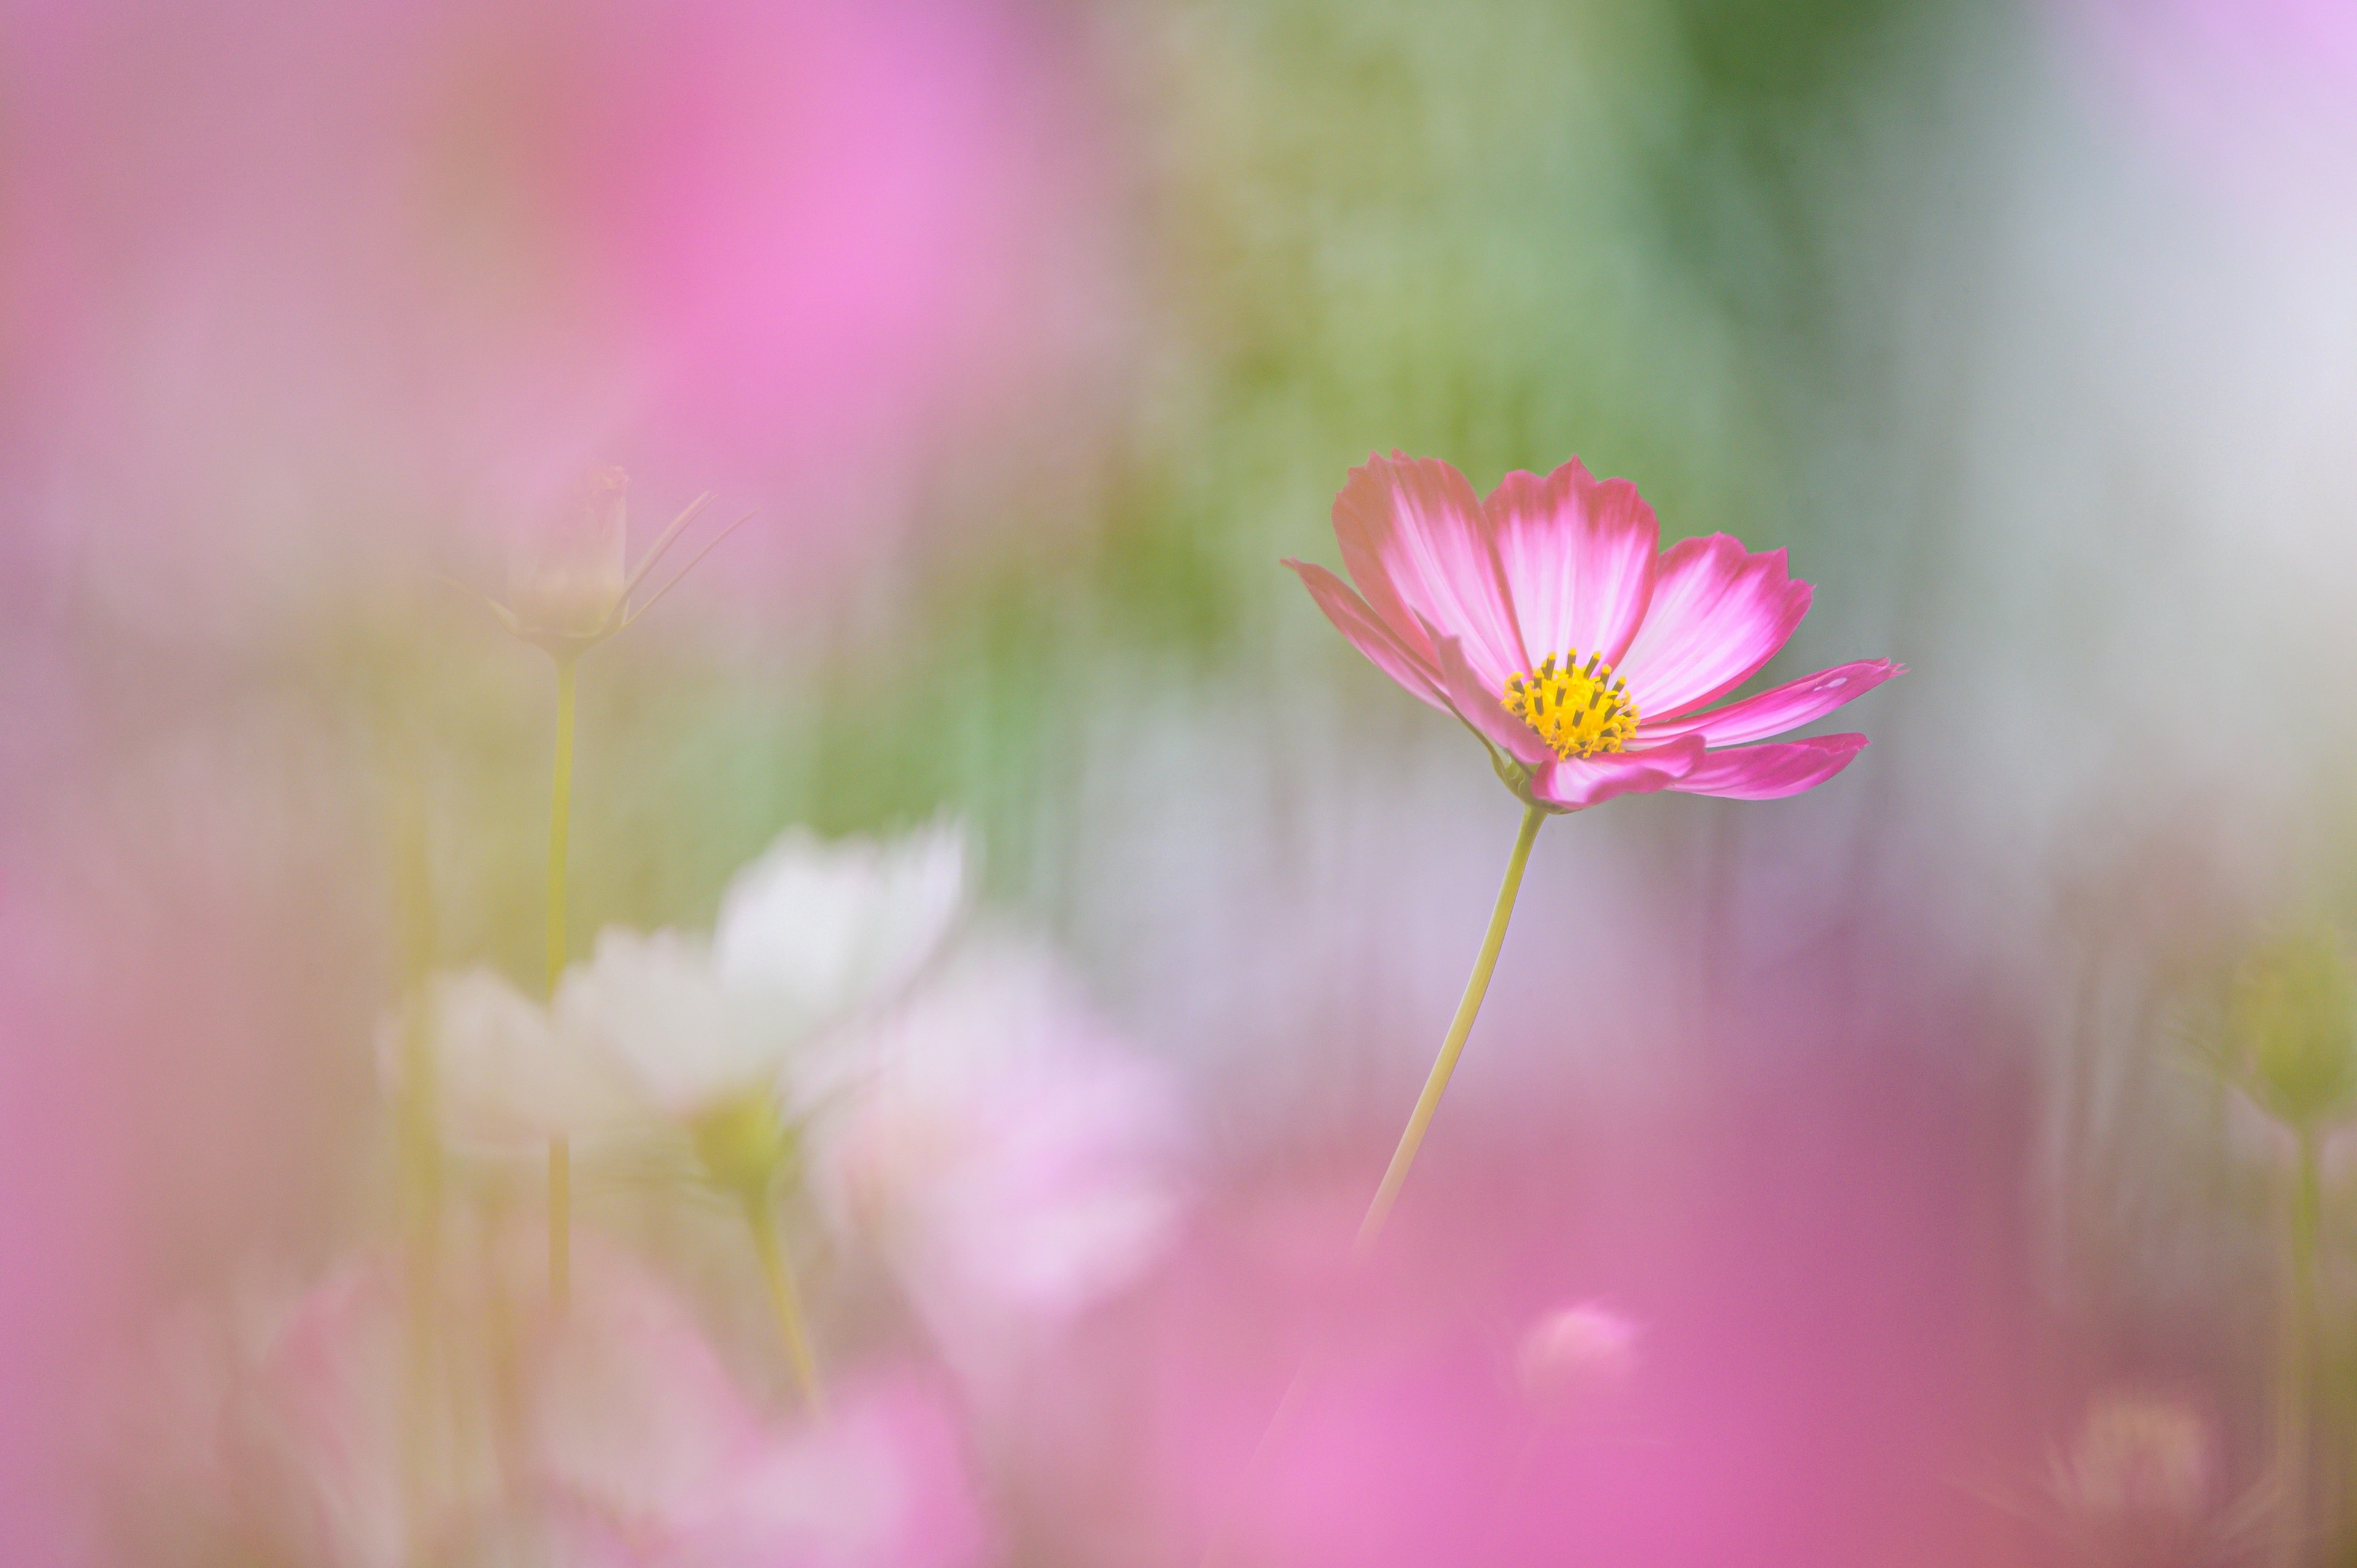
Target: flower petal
x=1772 y=772
x=1778 y=708
x=1718 y=613
x=1479 y=705
x=653 y=1005
x=821 y=928
x=1415 y=544
x=1592 y=780
x=1365 y=631
x=1578 y=554
x=507 y=1082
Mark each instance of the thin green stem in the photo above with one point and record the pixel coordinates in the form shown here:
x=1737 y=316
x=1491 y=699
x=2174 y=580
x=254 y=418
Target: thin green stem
x=560 y=820
x=418 y=1138
x=560 y=1151
x=1435 y=1083
x=2295 y=1408
x=779 y=1276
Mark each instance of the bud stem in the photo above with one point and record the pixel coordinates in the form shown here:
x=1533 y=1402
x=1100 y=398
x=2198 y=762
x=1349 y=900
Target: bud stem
x=560 y=1151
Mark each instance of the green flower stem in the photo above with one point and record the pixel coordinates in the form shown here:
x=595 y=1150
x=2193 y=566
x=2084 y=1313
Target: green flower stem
x=1435 y=1083
x=560 y=822
x=418 y=1141
x=2295 y=1398
x=778 y=1274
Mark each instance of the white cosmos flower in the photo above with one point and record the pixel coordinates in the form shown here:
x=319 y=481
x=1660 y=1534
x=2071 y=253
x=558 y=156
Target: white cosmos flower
x=809 y=935
x=652 y=1003
x=506 y=1079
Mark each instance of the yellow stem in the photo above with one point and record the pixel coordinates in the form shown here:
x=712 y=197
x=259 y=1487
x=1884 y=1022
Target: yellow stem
x=418 y=1136
x=1467 y=1007
x=560 y=820
x=1477 y=985
x=560 y=1152
x=778 y=1274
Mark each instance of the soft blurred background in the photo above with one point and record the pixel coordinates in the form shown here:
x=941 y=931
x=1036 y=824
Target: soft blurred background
x=1909 y=1147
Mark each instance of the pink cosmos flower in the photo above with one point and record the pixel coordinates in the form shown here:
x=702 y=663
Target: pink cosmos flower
x=1548 y=618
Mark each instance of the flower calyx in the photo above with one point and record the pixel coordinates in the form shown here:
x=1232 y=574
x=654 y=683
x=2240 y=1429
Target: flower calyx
x=744 y=1144
x=1516 y=777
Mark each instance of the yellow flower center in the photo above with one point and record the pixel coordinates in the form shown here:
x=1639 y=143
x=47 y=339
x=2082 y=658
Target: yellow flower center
x=1578 y=710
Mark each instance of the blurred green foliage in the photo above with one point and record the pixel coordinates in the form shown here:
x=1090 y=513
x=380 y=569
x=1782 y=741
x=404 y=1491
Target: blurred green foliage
x=2292 y=1024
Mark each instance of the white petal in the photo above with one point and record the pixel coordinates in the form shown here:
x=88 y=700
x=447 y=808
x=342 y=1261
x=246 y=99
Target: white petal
x=654 y=1006
x=825 y=930
x=506 y=1082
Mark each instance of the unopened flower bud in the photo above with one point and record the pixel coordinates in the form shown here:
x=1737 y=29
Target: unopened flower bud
x=565 y=581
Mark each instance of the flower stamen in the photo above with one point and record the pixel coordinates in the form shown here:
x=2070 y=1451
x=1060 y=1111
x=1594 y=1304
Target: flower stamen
x=1577 y=712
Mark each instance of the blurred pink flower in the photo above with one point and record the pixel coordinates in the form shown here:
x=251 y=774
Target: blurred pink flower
x=279 y=299
x=616 y=1435
x=631 y=1419
x=882 y=1481
x=2257 y=97
x=329 y=1408
x=1014 y=1162
x=1547 y=619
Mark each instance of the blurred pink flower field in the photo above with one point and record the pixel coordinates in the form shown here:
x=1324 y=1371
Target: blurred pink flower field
x=682 y=882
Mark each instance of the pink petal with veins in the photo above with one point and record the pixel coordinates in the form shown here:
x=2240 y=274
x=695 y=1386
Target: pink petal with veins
x=1365 y=631
x=1479 y=707
x=1578 y=556
x=1592 y=780
x=1779 y=708
x=1416 y=543
x=1772 y=772
x=1718 y=614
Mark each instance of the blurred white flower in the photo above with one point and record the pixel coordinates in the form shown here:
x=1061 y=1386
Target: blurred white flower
x=1011 y=1161
x=651 y=1003
x=506 y=1079
x=810 y=936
